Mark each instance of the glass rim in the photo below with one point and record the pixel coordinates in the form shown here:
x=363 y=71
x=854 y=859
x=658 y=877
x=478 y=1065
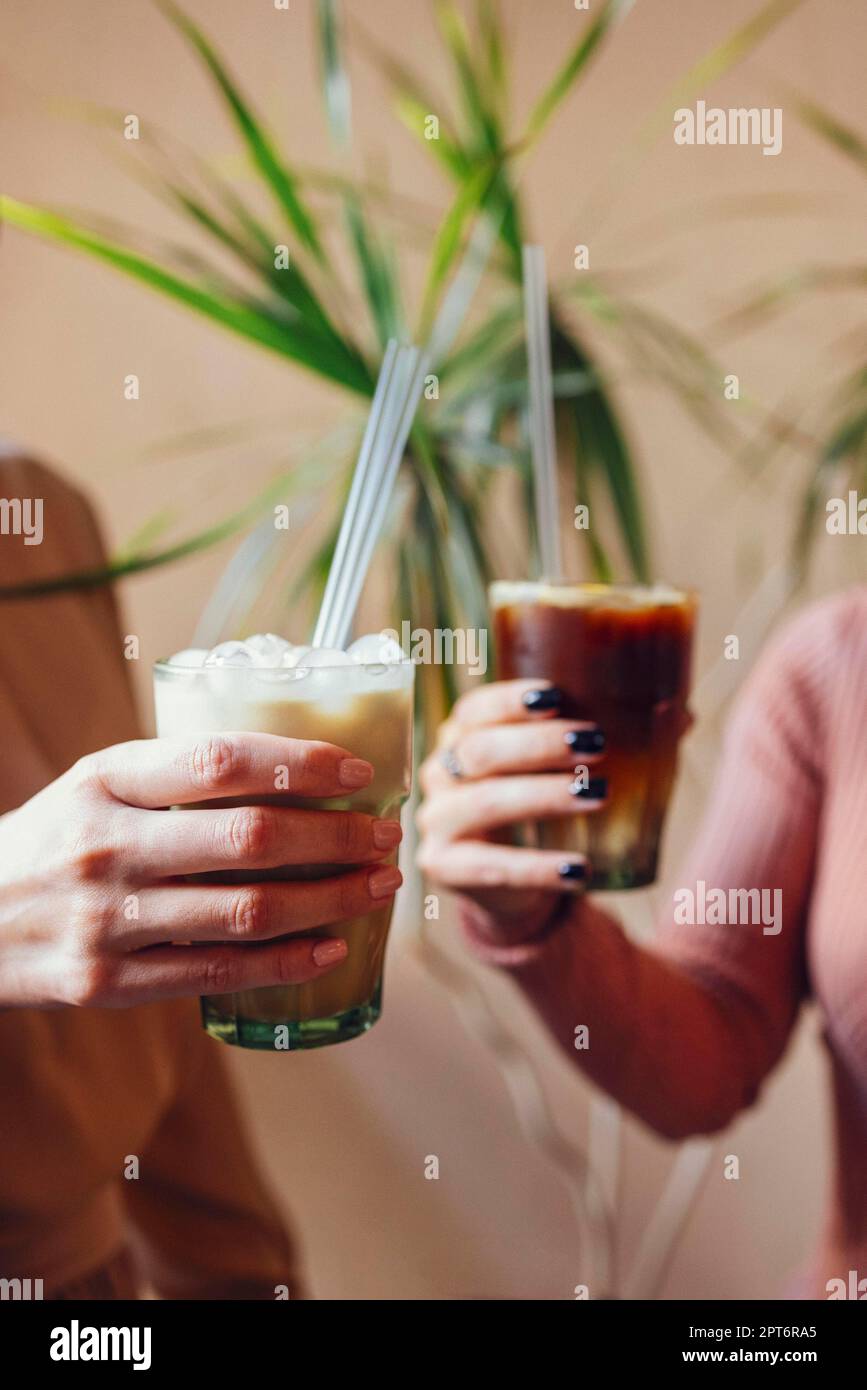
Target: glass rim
x=680 y=593
x=165 y=665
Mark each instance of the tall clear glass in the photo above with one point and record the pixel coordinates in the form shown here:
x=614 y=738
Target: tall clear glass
x=621 y=655
x=365 y=709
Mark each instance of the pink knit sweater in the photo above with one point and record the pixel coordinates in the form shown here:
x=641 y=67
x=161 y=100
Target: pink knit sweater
x=684 y=1032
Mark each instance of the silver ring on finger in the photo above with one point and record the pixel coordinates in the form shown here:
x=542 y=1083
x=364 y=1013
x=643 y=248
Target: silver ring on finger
x=449 y=760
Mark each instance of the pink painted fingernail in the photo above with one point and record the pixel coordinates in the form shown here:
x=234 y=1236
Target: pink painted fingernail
x=330 y=951
x=381 y=883
x=386 y=834
x=354 y=772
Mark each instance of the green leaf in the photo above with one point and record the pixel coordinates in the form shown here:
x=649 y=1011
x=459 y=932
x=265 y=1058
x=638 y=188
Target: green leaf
x=289 y=282
x=469 y=567
x=142 y=539
x=430 y=554
x=493 y=334
x=735 y=48
x=713 y=65
x=414 y=114
x=611 y=13
x=330 y=358
x=127 y=562
x=469 y=200
x=847 y=440
x=314 y=574
x=493 y=50
x=414 y=103
x=338 y=101
x=772 y=299
x=377 y=274
x=604 y=453
x=471 y=82
x=848 y=141
x=277 y=176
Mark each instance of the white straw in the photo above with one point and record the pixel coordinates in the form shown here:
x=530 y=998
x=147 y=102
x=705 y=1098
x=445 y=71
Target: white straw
x=395 y=403
x=356 y=490
x=357 y=526
x=381 y=497
x=542 y=433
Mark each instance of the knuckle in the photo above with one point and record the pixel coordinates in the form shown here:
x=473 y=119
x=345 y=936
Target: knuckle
x=85 y=774
x=90 y=919
x=350 y=894
x=469 y=753
x=492 y=796
x=249 y=911
x=347 y=837
x=248 y=833
x=288 y=967
x=90 y=980
x=213 y=762
x=218 y=973
x=94 y=863
x=464 y=705
x=486 y=801
x=492 y=874
x=306 y=759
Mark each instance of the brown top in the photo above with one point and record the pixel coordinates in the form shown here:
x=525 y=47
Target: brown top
x=85 y=1089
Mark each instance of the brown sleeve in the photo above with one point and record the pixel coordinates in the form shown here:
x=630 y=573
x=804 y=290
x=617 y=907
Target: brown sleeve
x=205 y=1225
x=64 y=682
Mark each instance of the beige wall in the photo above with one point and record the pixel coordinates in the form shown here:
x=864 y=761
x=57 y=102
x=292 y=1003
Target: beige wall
x=345 y=1134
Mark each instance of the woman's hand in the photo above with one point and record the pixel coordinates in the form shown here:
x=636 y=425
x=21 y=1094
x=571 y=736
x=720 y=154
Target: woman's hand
x=505 y=756
x=92 y=890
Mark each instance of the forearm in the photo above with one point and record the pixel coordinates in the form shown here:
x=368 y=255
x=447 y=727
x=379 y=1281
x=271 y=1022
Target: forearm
x=682 y=1052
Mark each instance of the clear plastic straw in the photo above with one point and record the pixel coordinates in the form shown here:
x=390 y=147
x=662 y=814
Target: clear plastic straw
x=542 y=432
x=380 y=497
x=356 y=491
x=358 y=526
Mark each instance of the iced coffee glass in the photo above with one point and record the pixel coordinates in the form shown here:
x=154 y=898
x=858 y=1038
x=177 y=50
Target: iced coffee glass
x=621 y=655
x=363 y=706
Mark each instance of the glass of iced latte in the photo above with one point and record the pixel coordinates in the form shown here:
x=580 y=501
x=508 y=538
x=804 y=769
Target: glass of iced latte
x=361 y=700
x=620 y=654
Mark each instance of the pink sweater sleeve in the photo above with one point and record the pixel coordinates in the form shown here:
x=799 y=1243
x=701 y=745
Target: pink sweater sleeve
x=683 y=1031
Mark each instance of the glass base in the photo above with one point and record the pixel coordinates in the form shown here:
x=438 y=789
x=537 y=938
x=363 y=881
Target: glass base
x=290 y=1035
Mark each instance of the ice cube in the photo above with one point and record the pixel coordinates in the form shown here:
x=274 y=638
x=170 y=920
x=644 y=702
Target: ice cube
x=268 y=649
x=325 y=656
x=190 y=656
x=229 y=654
x=294 y=656
x=376 y=649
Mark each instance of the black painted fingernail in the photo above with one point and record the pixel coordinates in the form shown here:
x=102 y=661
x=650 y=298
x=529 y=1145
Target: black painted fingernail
x=572 y=871
x=538 y=700
x=586 y=740
x=595 y=790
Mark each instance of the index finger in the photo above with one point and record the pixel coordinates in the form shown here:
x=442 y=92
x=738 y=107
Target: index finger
x=505 y=702
x=157 y=772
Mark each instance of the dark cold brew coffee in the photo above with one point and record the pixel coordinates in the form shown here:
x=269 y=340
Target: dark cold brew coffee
x=621 y=656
